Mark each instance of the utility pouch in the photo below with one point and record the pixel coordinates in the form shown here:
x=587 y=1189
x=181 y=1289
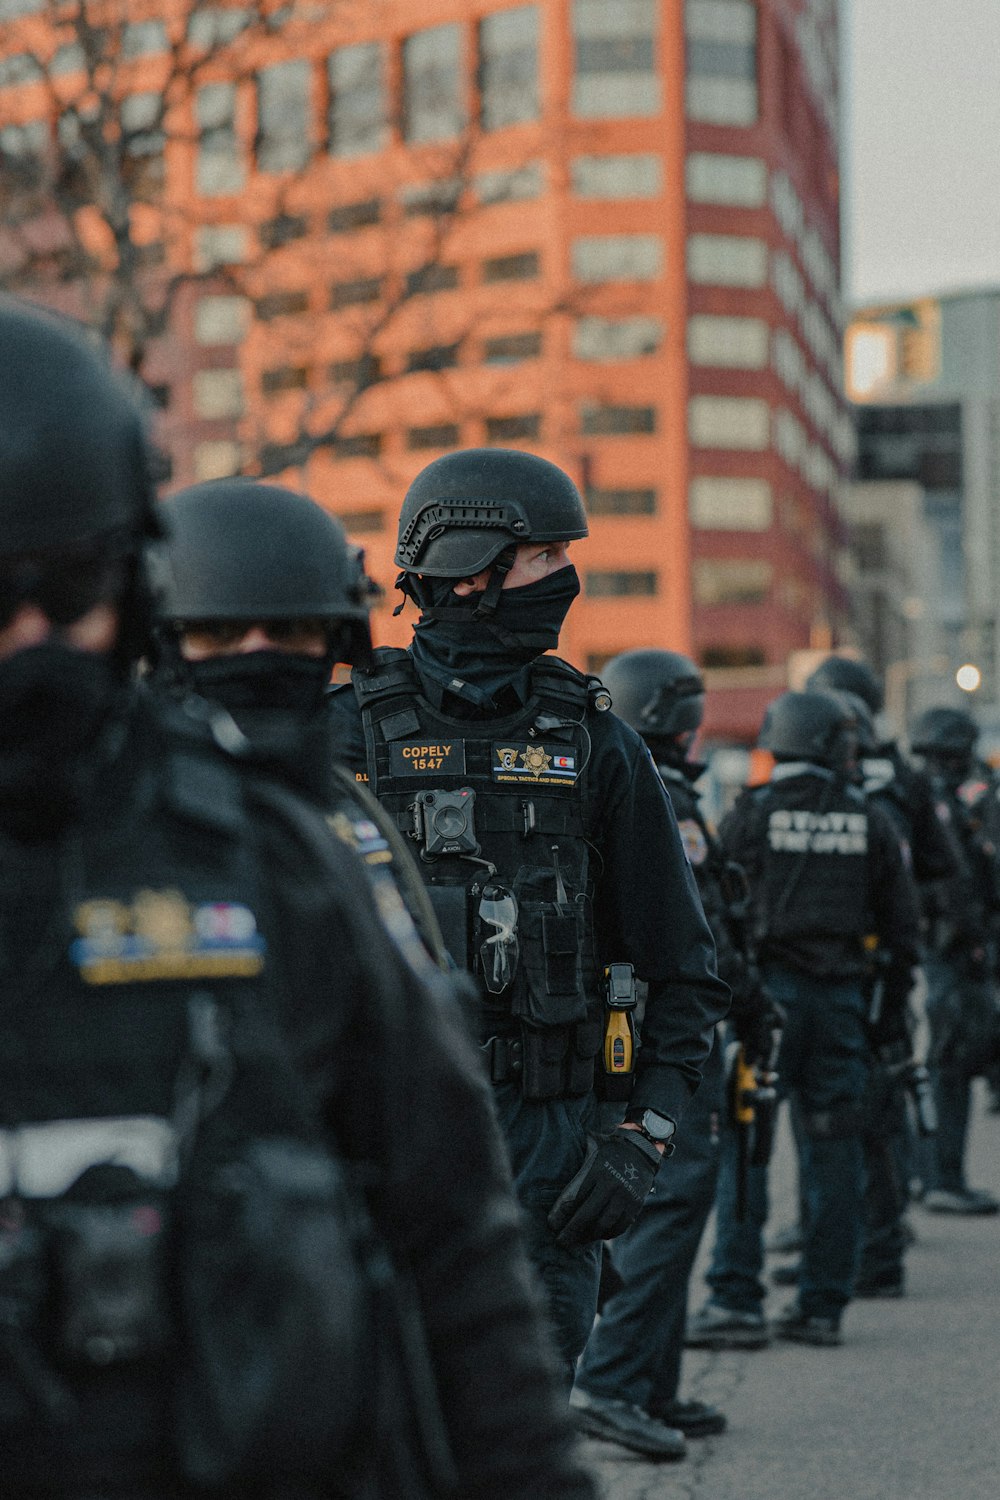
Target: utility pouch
x=109 y=1266
x=552 y=937
x=582 y=1058
x=450 y=903
x=543 y=1074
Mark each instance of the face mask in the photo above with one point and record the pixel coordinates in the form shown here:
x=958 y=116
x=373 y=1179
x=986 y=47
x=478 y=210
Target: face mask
x=54 y=701
x=475 y=657
x=271 y=682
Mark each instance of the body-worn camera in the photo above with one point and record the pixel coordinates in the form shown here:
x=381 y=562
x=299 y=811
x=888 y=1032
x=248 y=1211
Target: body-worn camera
x=444 y=823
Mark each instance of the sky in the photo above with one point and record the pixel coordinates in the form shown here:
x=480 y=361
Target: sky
x=921 y=158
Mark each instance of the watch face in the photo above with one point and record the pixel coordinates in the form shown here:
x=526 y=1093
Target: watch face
x=658 y=1126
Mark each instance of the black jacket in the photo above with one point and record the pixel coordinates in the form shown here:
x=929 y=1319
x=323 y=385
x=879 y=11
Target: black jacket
x=168 y=816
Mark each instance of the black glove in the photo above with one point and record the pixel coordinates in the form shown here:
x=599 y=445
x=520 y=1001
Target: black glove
x=754 y=1020
x=893 y=1024
x=605 y=1196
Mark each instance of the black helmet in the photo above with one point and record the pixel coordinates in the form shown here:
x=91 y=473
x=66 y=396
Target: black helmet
x=862 y=722
x=948 y=732
x=463 y=510
x=660 y=693
x=74 y=466
x=238 y=549
x=844 y=674
x=811 y=726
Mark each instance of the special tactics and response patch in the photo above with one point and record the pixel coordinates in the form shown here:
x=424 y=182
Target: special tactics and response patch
x=161 y=935
x=694 y=841
x=533 y=764
x=414 y=758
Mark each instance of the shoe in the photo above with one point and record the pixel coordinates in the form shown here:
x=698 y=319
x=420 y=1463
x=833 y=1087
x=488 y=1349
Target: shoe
x=786 y=1275
x=695 y=1419
x=786 y=1241
x=807 y=1328
x=882 y=1287
x=717 y=1327
x=960 y=1201
x=627 y=1425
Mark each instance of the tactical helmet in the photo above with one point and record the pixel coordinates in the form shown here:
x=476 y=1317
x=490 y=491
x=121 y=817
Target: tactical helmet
x=238 y=549
x=813 y=726
x=660 y=693
x=843 y=674
x=862 y=722
x=466 y=508
x=950 y=732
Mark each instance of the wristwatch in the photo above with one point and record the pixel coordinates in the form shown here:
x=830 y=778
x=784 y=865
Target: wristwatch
x=656 y=1128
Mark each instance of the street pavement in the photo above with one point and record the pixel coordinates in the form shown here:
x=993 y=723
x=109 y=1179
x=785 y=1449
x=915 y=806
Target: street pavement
x=906 y=1409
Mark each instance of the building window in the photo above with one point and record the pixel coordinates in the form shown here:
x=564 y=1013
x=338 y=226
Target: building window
x=143 y=140
x=434 y=357
x=515 y=186
x=220 y=245
x=729 y=422
x=616 y=338
x=431 y=198
x=617 y=176
x=353 y=293
x=282 y=230
x=358 y=445
x=721 y=61
x=432 y=84
x=614 y=421
x=219 y=168
x=215 y=25
x=354 y=216
x=511 y=348
x=281 y=305
x=284 y=378
x=360 y=373
x=22 y=152
x=617 y=257
x=727 y=260
x=735 y=181
x=216 y=460
x=440 y=435
x=218 y=394
x=510 y=429
x=723 y=504
x=143 y=39
x=620 y=502
x=522 y=267
x=733 y=657
x=20 y=67
x=358 y=102
x=283 y=143
x=737 y=580
x=508 y=67
x=730 y=343
x=615 y=59
x=618 y=585
x=221 y=320
x=431 y=278
x=275 y=457
x=359 y=522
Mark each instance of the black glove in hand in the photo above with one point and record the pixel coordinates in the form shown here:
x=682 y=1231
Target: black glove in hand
x=754 y=1023
x=605 y=1196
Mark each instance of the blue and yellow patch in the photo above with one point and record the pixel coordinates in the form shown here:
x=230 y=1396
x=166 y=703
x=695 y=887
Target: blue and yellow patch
x=162 y=935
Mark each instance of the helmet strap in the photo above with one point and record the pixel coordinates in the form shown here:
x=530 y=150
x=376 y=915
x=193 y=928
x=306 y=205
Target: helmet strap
x=502 y=565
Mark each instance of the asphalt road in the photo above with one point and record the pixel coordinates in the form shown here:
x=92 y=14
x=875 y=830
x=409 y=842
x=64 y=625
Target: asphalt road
x=906 y=1409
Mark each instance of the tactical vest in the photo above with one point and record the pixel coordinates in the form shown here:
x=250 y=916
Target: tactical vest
x=498 y=814
x=814 y=839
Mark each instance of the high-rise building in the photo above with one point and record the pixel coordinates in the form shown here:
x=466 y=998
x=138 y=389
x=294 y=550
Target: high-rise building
x=604 y=230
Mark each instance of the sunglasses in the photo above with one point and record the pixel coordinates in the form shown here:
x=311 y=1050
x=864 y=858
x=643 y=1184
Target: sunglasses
x=500 y=952
x=219 y=635
x=65 y=587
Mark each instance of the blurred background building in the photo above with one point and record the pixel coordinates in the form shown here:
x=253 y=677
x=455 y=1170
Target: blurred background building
x=337 y=239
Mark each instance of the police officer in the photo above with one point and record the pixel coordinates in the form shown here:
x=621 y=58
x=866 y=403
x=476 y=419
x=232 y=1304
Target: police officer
x=549 y=849
x=260 y=596
x=628 y=1380
x=825 y=871
x=161 y=918
x=961 y=917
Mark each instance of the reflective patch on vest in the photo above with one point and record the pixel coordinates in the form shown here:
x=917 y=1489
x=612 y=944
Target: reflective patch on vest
x=533 y=764
x=362 y=837
x=160 y=935
x=694 y=841
x=878 y=774
x=417 y=758
x=796 y=831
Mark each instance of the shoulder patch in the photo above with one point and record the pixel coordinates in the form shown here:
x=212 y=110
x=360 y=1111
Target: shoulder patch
x=694 y=841
x=161 y=935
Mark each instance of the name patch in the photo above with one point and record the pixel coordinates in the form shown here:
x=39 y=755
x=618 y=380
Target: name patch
x=161 y=935
x=421 y=758
x=534 y=764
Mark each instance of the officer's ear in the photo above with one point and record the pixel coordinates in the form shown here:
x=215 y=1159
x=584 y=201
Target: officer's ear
x=474 y=585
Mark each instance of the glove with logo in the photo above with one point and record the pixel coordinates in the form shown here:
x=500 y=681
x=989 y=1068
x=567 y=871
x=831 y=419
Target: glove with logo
x=605 y=1196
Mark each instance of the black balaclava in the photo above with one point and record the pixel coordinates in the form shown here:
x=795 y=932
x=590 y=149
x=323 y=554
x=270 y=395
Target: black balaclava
x=672 y=750
x=54 y=702
x=474 y=655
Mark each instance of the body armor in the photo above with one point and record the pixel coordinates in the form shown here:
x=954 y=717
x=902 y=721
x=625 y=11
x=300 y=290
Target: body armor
x=497 y=812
